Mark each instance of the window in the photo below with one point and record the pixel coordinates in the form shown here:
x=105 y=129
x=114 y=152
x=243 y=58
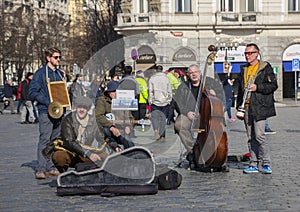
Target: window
x=183 y=6
x=143 y=3
x=294 y=5
x=226 y=6
x=247 y=6
x=232 y=5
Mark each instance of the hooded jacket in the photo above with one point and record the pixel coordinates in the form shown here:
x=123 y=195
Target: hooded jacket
x=262 y=100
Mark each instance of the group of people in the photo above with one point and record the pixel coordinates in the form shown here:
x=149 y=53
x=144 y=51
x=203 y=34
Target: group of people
x=77 y=136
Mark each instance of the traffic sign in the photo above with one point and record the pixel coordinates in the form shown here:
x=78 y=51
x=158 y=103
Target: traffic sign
x=295 y=64
x=134 y=54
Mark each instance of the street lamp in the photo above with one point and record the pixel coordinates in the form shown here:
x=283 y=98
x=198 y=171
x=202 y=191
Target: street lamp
x=227 y=47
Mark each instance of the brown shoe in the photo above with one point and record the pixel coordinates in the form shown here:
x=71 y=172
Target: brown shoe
x=162 y=138
x=53 y=172
x=156 y=135
x=40 y=175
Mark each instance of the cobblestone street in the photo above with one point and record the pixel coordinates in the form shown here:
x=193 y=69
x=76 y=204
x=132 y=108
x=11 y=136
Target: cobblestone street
x=219 y=191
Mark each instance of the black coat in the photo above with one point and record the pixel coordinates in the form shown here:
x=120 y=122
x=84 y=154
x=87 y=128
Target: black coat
x=262 y=100
x=186 y=102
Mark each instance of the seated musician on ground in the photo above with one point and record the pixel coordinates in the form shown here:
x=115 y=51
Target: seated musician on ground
x=79 y=131
x=185 y=102
x=113 y=129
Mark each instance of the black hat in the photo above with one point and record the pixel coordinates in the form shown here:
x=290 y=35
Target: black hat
x=84 y=102
x=112 y=86
x=78 y=75
x=29 y=74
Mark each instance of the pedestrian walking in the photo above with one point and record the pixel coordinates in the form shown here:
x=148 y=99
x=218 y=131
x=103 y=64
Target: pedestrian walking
x=27 y=105
x=160 y=97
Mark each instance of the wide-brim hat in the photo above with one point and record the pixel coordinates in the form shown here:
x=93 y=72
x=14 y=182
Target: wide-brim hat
x=83 y=102
x=112 y=86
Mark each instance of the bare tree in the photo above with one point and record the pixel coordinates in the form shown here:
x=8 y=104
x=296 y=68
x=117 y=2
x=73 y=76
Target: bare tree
x=97 y=33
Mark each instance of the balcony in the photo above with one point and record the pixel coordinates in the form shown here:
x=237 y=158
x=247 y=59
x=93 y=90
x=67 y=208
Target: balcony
x=240 y=19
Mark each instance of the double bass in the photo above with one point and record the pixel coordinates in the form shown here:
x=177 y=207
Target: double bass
x=211 y=146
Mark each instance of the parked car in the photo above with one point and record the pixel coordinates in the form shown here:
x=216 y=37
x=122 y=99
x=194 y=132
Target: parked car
x=15 y=88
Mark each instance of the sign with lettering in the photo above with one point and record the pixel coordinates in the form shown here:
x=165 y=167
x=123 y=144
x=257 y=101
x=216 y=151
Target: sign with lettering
x=184 y=54
x=146 y=55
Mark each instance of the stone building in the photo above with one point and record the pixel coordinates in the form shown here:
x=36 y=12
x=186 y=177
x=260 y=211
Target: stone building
x=183 y=29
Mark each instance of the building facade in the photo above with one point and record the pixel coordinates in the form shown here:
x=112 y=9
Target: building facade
x=183 y=29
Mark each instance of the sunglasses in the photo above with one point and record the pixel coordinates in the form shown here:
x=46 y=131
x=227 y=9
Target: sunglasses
x=249 y=53
x=56 y=57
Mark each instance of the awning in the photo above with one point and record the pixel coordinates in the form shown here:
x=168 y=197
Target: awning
x=143 y=66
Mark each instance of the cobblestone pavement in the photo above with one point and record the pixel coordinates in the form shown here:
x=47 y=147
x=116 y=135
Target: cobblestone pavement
x=219 y=191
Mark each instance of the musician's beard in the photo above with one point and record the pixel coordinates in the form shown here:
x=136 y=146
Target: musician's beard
x=81 y=114
x=195 y=82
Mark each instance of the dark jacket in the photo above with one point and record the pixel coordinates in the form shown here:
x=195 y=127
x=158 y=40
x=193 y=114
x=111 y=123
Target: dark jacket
x=262 y=100
x=228 y=90
x=8 y=91
x=69 y=132
x=38 y=89
x=186 y=102
x=25 y=89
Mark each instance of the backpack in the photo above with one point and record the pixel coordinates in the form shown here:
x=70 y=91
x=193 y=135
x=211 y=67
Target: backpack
x=166 y=178
x=19 y=91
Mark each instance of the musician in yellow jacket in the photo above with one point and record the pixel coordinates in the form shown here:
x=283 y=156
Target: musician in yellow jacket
x=257 y=84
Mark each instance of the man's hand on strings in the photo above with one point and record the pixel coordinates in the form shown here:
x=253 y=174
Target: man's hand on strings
x=191 y=115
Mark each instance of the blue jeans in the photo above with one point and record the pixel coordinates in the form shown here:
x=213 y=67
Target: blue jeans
x=49 y=129
x=228 y=107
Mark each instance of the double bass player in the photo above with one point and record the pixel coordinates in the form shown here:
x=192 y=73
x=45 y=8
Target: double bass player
x=185 y=103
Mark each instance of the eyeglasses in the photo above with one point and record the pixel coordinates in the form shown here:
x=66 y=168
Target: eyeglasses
x=194 y=72
x=249 y=53
x=56 y=57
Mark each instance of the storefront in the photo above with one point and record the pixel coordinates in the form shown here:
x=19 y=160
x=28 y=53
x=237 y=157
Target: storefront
x=292 y=52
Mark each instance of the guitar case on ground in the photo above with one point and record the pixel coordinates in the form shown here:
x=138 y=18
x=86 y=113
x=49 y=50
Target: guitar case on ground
x=131 y=171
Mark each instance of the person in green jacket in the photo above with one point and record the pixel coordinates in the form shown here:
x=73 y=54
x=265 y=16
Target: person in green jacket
x=143 y=98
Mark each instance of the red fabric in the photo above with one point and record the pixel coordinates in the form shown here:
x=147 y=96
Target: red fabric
x=149 y=108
